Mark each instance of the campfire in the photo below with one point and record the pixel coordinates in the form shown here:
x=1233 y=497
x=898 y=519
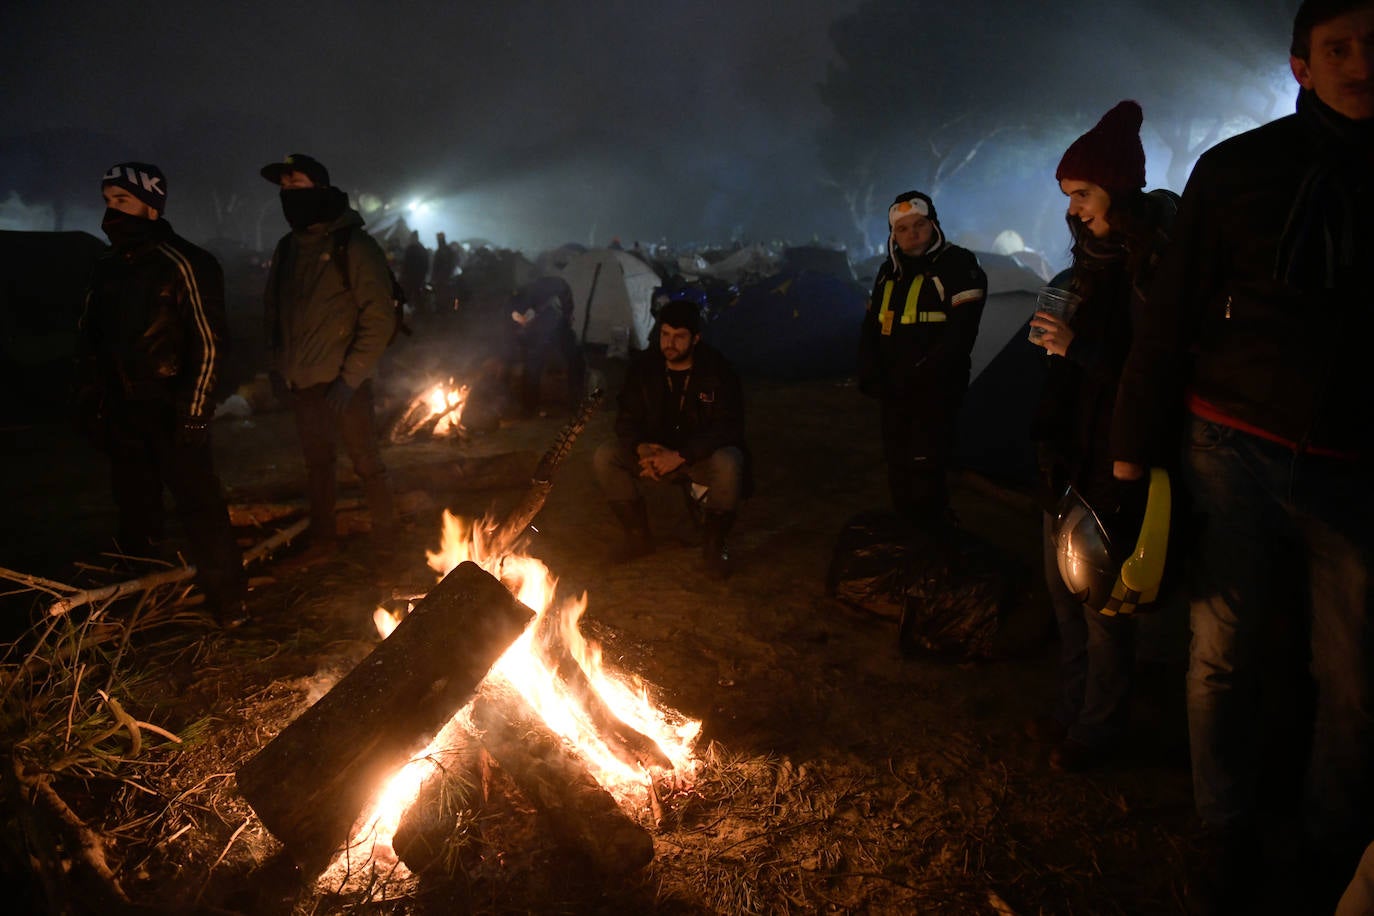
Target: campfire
x=515 y=677
x=436 y=412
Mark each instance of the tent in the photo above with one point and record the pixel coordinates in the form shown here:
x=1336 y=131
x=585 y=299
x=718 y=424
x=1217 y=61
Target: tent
x=792 y=326
x=613 y=294
x=1008 y=373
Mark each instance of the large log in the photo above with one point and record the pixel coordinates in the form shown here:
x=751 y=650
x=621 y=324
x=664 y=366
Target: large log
x=310 y=784
x=582 y=815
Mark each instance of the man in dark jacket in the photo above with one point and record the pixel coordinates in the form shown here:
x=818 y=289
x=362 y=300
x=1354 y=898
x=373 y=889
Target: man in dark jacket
x=330 y=315
x=542 y=310
x=1262 y=317
x=681 y=420
x=914 y=349
x=152 y=344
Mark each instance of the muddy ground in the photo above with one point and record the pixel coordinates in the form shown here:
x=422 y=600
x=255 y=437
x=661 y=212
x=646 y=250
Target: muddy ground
x=838 y=775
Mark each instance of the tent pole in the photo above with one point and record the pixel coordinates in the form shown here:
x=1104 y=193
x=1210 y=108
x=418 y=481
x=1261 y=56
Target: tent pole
x=591 y=294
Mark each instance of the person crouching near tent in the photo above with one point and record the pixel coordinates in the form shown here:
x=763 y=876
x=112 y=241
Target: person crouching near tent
x=1119 y=233
x=914 y=349
x=680 y=421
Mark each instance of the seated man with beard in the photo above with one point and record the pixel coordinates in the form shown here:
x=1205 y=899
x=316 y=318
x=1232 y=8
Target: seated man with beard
x=681 y=418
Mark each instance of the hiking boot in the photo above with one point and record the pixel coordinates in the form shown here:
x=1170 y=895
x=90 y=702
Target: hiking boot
x=1071 y=756
x=1046 y=730
x=714 y=554
x=633 y=516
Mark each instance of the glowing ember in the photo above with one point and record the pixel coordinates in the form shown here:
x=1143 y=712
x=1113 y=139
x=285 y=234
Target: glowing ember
x=524 y=666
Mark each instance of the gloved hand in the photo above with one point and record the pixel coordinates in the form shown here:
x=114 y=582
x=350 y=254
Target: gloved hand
x=338 y=395
x=193 y=430
x=279 y=389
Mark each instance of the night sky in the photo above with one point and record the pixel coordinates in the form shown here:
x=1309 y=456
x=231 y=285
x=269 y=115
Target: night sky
x=526 y=123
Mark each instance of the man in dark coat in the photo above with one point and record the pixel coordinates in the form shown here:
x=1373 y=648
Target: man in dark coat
x=542 y=310
x=681 y=420
x=151 y=349
x=914 y=349
x=1258 y=339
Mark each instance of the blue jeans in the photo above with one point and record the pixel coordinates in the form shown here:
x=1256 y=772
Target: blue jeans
x=1096 y=660
x=1268 y=518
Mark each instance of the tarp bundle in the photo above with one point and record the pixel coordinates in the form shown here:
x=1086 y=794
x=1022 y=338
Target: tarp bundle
x=949 y=590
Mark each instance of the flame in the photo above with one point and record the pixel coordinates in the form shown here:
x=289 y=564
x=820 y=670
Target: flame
x=554 y=629
x=445 y=401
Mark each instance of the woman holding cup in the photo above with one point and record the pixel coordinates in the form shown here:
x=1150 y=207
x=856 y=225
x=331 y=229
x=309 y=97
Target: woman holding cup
x=1118 y=233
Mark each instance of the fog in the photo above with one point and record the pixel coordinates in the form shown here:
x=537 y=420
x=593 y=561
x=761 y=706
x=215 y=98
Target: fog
x=530 y=124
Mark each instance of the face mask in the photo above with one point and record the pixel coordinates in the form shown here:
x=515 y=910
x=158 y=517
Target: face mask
x=125 y=230
x=306 y=206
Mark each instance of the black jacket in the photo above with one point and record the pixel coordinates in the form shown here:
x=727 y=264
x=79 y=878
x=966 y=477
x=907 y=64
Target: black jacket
x=153 y=327
x=917 y=345
x=1287 y=358
x=712 y=415
x=1073 y=421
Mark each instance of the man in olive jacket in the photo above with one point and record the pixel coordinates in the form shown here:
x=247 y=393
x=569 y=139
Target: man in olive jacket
x=330 y=316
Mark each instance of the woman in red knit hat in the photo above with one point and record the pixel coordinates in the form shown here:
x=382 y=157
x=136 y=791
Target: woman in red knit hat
x=1118 y=234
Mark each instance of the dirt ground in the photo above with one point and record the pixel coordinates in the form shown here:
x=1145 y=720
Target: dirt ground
x=837 y=775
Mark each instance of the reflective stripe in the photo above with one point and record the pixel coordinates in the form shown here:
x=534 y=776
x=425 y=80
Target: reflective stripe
x=910 y=313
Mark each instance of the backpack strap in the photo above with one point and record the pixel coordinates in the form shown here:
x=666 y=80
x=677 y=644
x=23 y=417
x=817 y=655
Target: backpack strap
x=339 y=254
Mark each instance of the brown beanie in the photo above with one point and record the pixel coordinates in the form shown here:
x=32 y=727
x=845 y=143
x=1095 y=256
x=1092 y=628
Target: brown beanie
x=1109 y=155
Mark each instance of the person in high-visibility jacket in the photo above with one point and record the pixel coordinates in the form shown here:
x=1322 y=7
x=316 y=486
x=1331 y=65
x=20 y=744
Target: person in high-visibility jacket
x=918 y=332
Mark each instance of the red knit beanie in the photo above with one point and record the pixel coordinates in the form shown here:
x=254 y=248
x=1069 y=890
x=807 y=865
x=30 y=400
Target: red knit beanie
x=1109 y=155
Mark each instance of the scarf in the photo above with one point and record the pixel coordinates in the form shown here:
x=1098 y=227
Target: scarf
x=1317 y=248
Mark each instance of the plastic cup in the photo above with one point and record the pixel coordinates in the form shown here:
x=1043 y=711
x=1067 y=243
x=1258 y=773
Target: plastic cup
x=1058 y=302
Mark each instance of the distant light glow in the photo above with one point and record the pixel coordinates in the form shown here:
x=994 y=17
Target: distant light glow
x=418 y=207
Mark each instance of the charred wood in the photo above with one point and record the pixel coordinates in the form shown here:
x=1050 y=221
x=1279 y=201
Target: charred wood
x=582 y=815
x=311 y=783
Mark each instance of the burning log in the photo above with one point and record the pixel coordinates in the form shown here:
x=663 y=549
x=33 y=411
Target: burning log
x=582 y=815
x=428 y=825
x=502 y=539
x=310 y=784
x=630 y=746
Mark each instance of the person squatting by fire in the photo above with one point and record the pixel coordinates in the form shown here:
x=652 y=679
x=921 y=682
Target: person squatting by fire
x=680 y=421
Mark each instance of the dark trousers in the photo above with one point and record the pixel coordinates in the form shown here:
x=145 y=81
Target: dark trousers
x=321 y=430
x=616 y=465
x=145 y=456
x=917 y=440
x=1096 y=660
x=557 y=349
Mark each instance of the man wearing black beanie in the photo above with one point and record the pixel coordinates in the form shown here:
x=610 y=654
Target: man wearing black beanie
x=151 y=346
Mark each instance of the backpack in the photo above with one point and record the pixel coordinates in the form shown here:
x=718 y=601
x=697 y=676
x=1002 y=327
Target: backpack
x=339 y=255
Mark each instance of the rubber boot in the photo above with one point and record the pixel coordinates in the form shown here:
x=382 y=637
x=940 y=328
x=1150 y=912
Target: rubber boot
x=633 y=516
x=714 y=554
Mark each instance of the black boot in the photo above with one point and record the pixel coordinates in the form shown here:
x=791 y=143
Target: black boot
x=715 y=557
x=633 y=516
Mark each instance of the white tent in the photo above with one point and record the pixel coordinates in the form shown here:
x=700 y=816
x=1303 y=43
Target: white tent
x=612 y=293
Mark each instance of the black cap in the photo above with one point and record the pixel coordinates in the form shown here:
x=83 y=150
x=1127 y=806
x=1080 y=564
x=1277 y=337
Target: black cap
x=308 y=166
